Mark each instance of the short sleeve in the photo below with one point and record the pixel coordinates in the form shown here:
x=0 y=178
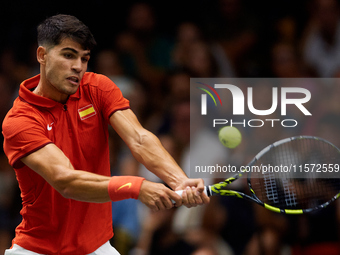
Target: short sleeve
x=22 y=136
x=110 y=97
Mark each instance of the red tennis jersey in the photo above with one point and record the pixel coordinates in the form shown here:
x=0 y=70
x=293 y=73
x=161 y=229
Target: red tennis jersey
x=52 y=224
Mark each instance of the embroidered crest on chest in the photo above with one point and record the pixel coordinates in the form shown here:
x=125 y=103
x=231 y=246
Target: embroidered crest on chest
x=86 y=112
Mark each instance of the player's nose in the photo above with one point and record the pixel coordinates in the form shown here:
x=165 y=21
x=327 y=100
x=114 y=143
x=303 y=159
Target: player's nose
x=77 y=65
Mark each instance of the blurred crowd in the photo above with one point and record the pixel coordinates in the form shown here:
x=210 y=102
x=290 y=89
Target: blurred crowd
x=152 y=62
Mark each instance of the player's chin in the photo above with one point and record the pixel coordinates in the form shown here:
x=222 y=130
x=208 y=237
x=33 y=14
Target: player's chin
x=73 y=91
x=70 y=90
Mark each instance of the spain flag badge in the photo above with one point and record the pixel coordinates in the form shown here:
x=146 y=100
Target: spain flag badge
x=86 y=112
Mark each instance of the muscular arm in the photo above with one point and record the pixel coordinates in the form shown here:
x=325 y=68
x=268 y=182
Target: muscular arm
x=146 y=148
x=52 y=164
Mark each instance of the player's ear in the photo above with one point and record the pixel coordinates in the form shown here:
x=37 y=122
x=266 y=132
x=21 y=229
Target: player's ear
x=41 y=54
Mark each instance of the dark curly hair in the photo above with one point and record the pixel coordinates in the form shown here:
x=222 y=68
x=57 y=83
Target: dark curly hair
x=56 y=28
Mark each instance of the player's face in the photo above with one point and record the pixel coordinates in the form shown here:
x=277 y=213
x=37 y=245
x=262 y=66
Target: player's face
x=65 y=66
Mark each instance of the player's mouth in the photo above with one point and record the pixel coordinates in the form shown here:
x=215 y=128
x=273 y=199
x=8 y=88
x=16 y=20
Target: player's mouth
x=73 y=80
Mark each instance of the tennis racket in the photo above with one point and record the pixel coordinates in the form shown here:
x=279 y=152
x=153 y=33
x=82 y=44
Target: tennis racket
x=292 y=176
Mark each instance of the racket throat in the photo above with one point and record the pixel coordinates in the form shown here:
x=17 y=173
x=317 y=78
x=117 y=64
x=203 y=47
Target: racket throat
x=207 y=190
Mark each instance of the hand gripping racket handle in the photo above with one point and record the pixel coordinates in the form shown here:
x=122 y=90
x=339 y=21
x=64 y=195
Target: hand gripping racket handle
x=206 y=190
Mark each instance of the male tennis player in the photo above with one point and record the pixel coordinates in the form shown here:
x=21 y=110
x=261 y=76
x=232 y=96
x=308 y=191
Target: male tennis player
x=56 y=139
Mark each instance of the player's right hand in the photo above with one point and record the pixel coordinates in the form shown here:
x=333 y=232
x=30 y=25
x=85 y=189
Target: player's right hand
x=157 y=196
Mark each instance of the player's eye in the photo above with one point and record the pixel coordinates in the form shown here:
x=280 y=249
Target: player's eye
x=68 y=55
x=85 y=60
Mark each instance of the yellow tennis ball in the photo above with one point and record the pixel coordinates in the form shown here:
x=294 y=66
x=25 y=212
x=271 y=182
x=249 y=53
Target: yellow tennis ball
x=230 y=136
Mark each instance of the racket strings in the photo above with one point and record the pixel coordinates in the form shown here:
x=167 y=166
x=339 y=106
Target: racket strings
x=271 y=188
x=298 y=174
x=290 y=193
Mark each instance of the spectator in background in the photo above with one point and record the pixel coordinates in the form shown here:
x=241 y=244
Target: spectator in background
x=321 y=43
x=198 y=55
x=285 y=61
x=268 y=239
x=187 y=34
x=193 y=53
x=236 y=35
x=146 y=53
x=17 y=67
x=107 y=62
x=178 y=86
x=286 y=29
x=200 y=61
x=157 y=236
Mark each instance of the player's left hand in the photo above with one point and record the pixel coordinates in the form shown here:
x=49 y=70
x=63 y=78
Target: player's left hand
x=193 y=194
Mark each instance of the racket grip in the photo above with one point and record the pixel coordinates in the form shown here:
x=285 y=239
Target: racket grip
x=179 y=192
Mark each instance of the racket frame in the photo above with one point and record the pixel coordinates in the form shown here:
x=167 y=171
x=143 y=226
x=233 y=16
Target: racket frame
x=218 y=189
